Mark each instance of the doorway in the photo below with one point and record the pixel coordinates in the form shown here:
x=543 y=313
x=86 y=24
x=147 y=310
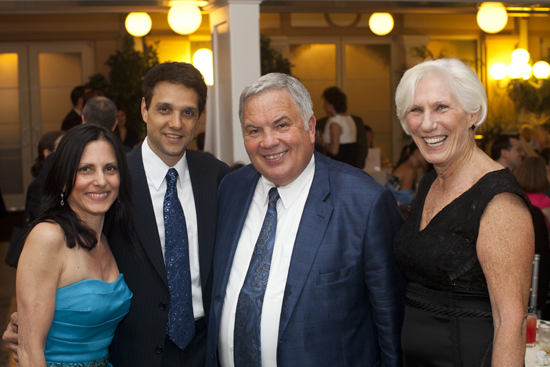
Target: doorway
x=36 y=80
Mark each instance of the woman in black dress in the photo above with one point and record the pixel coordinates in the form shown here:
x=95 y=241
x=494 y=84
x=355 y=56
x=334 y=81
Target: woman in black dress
x=467 y=247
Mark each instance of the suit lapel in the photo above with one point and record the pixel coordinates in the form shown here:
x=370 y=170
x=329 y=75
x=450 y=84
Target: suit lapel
x=313 y=225
x=231 y=225
x=146 y=223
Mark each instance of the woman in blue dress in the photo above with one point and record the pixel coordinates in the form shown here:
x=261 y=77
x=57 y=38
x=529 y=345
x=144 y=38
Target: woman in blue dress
x=70 y=294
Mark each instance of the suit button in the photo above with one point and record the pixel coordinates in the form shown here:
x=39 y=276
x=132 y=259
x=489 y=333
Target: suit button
x=162 y=306
x=212 y=355
x=158 y=349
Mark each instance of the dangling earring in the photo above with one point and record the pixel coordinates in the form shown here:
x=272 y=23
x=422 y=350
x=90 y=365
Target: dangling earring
x=62 y=202
x=473 y=127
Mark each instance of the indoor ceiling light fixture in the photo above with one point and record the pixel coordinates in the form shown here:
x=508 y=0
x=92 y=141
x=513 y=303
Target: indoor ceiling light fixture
x=203 y=61
x=184 y=17
x=381 y=23
x=138 y=24
x=492 y=17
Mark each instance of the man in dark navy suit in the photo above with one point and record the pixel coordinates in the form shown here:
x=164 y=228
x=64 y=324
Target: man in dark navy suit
x=315 y=283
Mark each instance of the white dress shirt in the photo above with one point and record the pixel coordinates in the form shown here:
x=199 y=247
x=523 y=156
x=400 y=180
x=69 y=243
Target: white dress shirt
x=156 y=170
x=289 y=213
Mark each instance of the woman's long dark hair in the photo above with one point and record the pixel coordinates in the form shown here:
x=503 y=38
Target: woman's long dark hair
x=47 y=141
x=406 y=152
x=61 y=179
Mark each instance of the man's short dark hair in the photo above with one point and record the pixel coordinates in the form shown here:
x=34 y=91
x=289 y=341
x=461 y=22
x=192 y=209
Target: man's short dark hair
x=502 y=142
x=100 y=111
x=77 y=93
x=175 y=73
x=336 y=98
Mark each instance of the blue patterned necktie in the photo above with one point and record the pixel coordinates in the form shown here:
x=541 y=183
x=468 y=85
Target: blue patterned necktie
x=247 y=342
x=181 y=323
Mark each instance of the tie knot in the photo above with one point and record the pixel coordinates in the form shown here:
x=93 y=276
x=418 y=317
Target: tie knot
x=172 y=177
x=273 y=195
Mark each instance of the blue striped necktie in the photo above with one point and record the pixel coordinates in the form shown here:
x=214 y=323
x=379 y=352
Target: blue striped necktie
x=247 y=342
x=181 y=323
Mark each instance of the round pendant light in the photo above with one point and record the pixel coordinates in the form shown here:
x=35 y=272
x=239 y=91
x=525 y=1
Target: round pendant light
x=184 y=17
x=138 y=24
x=499 y=71
x=202 y=60
x=492 y=17
x=541 y=70
x=381 y=23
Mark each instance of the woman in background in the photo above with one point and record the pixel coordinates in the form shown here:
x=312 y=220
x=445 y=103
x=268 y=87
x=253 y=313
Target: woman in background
x=470 y=225
x=46 y=146
x=340 y=135
x=402 y=182
x=532 y=176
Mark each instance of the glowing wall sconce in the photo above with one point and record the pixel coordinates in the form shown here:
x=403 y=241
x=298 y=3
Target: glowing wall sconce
x=515 y=70
x=138 y=24
x=184 y=17
x=541 y=70
x=521 y=56
x=499 y=71
x=492 y=17
x=381 y=23
x=202 y=60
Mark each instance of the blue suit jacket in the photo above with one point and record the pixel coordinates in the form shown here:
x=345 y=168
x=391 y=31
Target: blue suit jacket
x=344 y=297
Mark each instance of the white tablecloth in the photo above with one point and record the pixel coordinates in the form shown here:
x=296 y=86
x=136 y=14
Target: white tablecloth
x=531 y=356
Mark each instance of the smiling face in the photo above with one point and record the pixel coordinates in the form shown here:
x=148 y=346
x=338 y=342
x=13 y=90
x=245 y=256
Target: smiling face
x=275 y=139
x=171 y=120
x=438 y=124
x=97 y=180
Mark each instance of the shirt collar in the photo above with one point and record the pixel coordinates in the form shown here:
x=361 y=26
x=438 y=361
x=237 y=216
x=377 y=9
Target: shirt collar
x=291 y=191
x=156 y=169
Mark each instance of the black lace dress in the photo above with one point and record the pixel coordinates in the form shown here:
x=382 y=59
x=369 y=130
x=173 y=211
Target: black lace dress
x=448 y=321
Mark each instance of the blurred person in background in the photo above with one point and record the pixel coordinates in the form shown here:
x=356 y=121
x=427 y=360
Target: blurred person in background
x=340 y=132
x=532 y=176
x=403 y=179
x=507 y=150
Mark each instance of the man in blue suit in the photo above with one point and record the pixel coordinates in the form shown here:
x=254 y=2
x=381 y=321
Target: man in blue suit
x=315 y=283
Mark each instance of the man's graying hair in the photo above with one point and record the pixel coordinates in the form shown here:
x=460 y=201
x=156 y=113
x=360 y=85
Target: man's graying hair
x=278 y=81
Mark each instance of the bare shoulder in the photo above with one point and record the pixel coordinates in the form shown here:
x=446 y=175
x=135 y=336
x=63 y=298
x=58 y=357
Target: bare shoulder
x=45 y=237
x=506 y=222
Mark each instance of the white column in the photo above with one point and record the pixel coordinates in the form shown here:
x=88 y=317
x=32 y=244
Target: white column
x=235 y=28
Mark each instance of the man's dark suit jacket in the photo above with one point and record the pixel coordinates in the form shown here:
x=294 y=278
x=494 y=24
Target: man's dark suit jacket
x=361 y=139
x=71 y=120
x=139 y=339
x=345 y=296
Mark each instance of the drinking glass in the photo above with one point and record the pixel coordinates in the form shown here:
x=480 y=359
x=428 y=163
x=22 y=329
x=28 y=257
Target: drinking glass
x=544 y=337
x=531 y=329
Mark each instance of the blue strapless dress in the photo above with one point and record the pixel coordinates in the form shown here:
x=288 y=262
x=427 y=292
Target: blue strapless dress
x=86 y=316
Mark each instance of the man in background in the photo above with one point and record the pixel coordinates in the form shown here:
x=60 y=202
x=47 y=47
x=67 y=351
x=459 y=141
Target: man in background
x=73 y=117
x=506 y=150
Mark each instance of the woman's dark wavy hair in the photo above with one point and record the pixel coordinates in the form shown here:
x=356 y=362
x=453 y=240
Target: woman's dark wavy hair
x=61 y=179
x=336 y=98
x=47 y=141
x=406 y=152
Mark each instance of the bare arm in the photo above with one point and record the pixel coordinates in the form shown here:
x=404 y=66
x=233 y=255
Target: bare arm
x=505 y=249
x=11 y=339
x=38 y=272
x=334 y=146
